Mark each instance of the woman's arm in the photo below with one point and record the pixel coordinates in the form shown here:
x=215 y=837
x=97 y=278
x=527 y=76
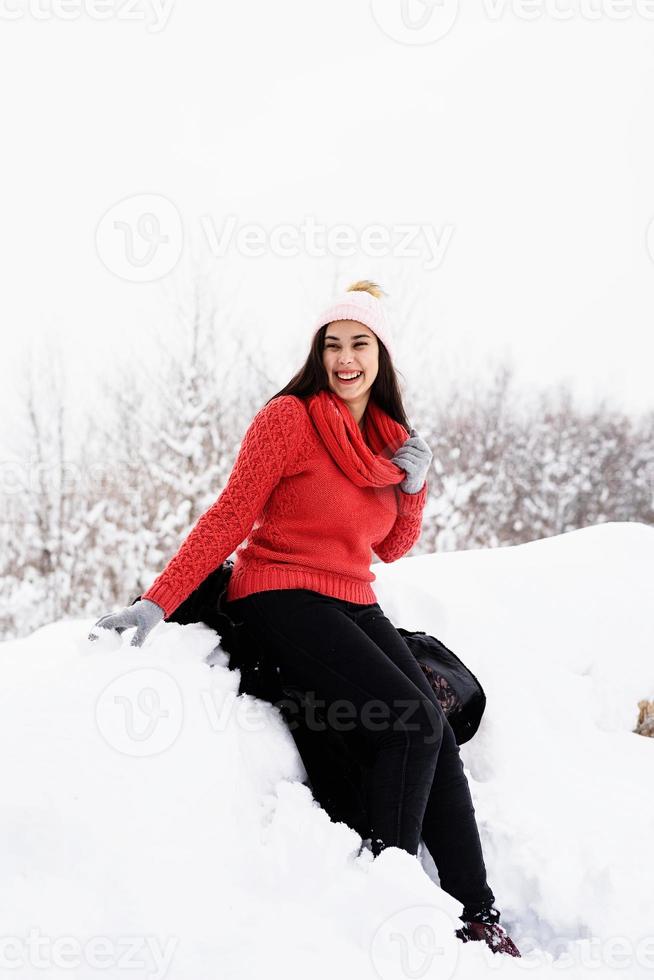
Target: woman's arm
x=408 y=524
x=268 y=444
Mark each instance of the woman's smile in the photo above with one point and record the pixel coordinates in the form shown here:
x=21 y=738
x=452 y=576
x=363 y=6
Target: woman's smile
x=348 y=377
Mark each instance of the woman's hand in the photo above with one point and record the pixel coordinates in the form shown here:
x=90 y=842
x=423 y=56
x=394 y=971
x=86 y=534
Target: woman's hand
x=415 y=457
x=143 y=614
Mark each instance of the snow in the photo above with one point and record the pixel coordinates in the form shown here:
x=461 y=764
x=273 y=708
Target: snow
x=155 y=822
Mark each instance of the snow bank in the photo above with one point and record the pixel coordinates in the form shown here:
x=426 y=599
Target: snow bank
x=155 y=824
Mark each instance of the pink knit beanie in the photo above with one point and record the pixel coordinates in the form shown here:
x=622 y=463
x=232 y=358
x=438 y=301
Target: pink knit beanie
x=357 y=303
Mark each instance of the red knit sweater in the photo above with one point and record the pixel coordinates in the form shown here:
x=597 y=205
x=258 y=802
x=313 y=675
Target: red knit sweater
x=309 y=526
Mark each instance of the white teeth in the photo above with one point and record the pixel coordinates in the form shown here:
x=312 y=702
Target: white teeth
x=345 y=377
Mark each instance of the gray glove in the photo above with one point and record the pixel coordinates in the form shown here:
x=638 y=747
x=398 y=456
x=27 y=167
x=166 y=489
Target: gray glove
x=414 y=456
x=143 y=614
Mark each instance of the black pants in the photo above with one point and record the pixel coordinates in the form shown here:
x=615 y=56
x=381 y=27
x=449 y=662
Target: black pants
x=358 y=669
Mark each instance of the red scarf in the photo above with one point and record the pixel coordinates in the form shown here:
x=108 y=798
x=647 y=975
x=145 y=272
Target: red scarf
x=343 y=438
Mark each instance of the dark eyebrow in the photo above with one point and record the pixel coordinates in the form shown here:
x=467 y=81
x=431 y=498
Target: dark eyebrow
x=330 y=336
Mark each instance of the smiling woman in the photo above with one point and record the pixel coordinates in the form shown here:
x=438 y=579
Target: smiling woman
x=327 y=474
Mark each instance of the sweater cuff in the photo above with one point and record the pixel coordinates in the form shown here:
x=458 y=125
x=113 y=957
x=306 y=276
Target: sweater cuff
x=164 y=596
x=411 y=504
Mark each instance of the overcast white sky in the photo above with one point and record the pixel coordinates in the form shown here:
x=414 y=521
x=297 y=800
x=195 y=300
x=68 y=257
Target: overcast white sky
x=519 y=152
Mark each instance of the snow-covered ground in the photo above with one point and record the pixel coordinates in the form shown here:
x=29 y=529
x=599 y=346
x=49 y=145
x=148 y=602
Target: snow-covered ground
x=154 y=824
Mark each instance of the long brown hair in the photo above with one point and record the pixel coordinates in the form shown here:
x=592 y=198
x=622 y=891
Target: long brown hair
x=312 y=377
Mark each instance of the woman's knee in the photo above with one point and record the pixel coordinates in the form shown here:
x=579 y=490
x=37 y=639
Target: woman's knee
x=417 y=722
x=433 y=723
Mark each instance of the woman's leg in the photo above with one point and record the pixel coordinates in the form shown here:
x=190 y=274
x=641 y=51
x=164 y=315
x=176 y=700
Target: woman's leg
x=319 y=648
x=449 y=828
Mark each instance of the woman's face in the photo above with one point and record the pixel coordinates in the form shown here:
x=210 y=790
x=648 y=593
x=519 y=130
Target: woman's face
x=350 y=347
